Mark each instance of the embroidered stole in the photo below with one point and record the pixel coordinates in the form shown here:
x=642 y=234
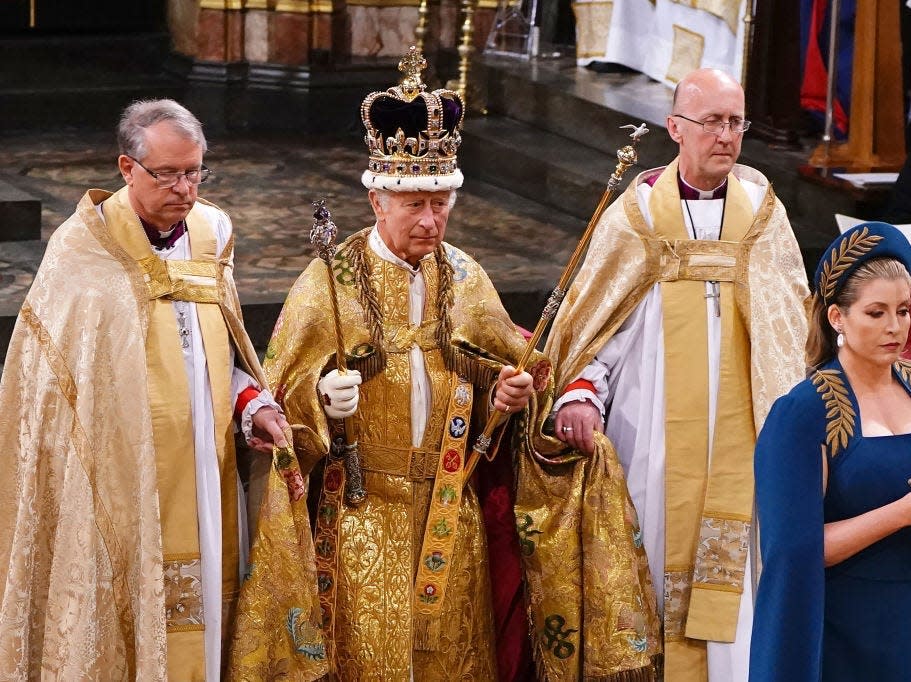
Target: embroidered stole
x=198 y=281
x=708 y=496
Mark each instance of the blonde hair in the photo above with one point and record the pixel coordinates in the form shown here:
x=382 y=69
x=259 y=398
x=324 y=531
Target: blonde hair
x=821 y=346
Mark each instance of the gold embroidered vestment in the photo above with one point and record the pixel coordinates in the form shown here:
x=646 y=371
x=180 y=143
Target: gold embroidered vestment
x=376 y=632
x=82 y=450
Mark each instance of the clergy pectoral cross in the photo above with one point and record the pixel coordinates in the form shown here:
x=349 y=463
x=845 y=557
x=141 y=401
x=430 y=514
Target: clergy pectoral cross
x=716 y=296
x=183 y=331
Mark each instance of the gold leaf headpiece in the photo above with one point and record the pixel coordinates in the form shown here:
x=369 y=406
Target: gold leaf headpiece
x=842 y=259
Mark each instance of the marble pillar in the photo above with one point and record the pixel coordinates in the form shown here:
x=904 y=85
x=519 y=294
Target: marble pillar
x=182 y=21
x=381 y=29
x=219 y=34
x=256 y=35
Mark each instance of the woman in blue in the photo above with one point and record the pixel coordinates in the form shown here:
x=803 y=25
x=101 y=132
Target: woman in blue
x=833 y=480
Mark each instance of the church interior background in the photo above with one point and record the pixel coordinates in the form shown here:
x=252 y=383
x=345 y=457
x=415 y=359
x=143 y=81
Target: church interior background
x=278 y=83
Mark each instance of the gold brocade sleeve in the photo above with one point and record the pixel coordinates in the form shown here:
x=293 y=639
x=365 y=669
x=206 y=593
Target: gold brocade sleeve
x=610 y=283
x=277 y=630
x=779 y=300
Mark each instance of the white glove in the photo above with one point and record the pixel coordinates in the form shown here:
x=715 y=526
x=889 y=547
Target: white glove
x=339 y=393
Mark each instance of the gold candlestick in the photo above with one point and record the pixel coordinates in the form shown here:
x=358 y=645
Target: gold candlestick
x=465 y=49
x=421 y=29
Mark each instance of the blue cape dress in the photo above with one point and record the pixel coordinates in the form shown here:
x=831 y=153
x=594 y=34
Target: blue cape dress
x=851 y=621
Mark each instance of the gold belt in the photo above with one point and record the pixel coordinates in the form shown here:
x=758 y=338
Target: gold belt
x=414 y=464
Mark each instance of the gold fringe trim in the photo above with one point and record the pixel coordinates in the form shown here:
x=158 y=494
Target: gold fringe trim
x=373 y=314
x=647 y=674
x=464 y=359
x=471 y=367
x=368 y=365
x=426 y=633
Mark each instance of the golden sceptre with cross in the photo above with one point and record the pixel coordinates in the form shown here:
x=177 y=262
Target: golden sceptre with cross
x=626 y=157
x=343 y=443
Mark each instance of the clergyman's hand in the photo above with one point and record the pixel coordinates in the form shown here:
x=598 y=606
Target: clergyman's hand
x=513 y=391
x=576 y=424
x=268 y=428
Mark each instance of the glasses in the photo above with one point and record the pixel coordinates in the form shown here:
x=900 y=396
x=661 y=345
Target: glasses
x=166 y=180
x=737 y=125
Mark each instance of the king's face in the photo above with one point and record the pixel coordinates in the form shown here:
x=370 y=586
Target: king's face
x=412 y=224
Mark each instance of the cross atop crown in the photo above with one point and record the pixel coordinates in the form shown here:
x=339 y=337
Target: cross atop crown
x=411 y=65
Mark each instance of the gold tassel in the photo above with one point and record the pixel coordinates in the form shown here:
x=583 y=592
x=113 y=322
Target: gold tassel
x=373 y=363
x=477 y=370
x=426 y=633
x=646 y=674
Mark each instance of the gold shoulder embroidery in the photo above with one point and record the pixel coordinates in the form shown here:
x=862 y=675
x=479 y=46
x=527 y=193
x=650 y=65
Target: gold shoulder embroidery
x=839 y=412
x=903 y=367
x=843 y=258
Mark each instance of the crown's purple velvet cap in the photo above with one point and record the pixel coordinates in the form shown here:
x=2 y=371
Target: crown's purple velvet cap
x=388 y=114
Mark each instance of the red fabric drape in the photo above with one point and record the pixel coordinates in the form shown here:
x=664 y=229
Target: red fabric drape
x=813 y=88
x=495 y=486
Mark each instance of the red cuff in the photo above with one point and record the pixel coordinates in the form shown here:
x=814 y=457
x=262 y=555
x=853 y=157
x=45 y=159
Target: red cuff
x=580 y=384
x=243 y=399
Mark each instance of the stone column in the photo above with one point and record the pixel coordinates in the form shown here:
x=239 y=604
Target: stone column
x=220 y=31
x=382 y=28
x=183 y=16
x=256 y=30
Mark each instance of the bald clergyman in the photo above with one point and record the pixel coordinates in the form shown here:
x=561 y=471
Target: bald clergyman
x=685 y=323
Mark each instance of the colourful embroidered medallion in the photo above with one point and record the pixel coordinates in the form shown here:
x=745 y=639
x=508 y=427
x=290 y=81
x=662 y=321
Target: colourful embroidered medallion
x=463 y=395
x=451 y=461
x=457 y=427
x=284 y=461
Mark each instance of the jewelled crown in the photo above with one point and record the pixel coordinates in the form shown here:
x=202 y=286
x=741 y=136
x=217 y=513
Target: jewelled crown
x=412 y=134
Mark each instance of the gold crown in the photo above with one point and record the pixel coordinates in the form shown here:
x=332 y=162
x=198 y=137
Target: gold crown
x=412 y=134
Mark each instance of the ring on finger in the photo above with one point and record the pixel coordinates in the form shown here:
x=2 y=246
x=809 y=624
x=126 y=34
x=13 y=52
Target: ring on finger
x=566 y=429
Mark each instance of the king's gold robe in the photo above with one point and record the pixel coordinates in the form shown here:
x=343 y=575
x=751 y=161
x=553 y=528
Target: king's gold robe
x=374 y=628
x=99 y=560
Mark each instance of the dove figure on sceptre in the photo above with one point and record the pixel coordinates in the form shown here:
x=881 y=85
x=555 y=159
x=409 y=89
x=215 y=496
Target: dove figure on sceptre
x=638 y=131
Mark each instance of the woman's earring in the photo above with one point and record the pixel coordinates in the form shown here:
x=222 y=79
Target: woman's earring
x=840 y=340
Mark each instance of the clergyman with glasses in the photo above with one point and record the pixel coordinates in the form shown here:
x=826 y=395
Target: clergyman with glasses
x=122 y=532
x=686 y=322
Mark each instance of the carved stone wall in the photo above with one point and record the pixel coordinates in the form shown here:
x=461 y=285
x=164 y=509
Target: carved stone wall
x=301 y=32
x=306 y=64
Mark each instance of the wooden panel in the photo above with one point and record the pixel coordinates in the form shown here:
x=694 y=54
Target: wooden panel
x=876 y=124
